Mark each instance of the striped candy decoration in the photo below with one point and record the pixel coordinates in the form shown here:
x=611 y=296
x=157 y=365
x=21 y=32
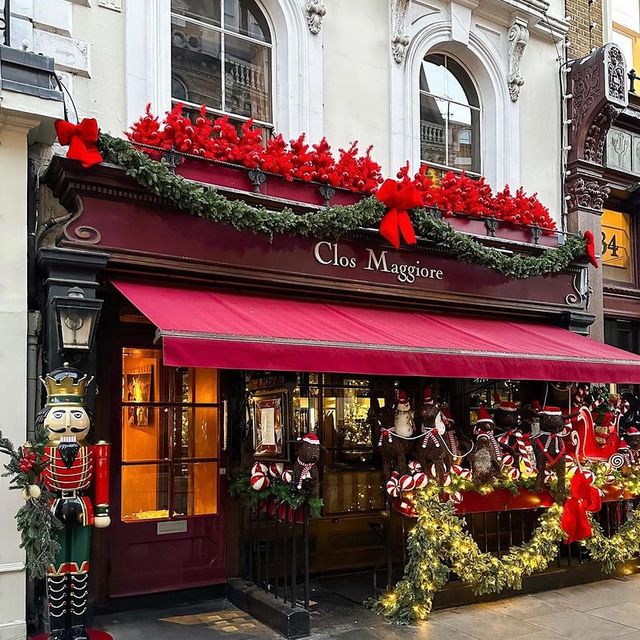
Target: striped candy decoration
x=512 y=473
x=259 y=481
x=259 y=468
x=393 y=487
x=276 y=469
x=287 y=476
x=421 y=480
x=407 y=483
x=415 y=466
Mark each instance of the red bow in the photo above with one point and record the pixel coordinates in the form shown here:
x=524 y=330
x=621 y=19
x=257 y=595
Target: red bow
x=398 y=198
x=81 y=139
x=584 y=497
x=590 y=248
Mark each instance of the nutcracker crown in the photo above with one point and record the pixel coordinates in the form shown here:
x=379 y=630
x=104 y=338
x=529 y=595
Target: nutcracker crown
x=66 y=385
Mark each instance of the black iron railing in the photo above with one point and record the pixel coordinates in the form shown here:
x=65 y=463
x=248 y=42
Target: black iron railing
x=5 y=23
x=277 y=551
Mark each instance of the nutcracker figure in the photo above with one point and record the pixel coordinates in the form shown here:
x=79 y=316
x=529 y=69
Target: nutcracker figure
x=73 y=465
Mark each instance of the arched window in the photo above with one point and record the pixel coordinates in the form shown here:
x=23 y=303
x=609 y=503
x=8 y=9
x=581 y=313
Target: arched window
x=221 y=55
x=449 y=116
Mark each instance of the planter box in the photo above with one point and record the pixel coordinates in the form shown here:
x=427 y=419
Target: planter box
x=238 y=178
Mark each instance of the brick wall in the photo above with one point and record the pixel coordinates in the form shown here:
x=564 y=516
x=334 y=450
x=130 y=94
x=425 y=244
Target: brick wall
x=581 y=37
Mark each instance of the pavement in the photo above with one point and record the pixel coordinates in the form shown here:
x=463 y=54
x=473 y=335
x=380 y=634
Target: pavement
x=604 y=610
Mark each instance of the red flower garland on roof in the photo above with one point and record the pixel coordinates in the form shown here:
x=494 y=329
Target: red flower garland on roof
x=220 y=140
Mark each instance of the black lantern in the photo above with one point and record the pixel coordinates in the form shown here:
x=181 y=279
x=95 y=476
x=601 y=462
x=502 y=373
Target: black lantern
x=77 y=320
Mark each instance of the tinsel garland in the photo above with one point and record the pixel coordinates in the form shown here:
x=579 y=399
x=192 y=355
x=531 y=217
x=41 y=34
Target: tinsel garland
x=331 y=222
x=280 y=492
x=34 y=519
x=438 y=544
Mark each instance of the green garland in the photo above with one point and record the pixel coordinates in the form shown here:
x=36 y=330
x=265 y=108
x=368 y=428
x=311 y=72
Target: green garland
x=280 y=492
x=438 y=544
x=331 y=222
x=35 y=521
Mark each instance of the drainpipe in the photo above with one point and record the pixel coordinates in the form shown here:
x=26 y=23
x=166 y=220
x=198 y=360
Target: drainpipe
x=34 y=325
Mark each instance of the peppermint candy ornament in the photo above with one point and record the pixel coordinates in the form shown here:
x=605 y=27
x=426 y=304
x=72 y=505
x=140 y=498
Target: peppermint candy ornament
x=433 y=471
x=287 y=476
x=512 y=473
x=407 y=483
x=393 y=487
x=415 y=466
x=259 y=481
x=508 y=460
x=589 y=475
x=446 y=480
x=609 y=478
x=276 y=469
x=421 y=480
x=259 y=468
x=456 y=497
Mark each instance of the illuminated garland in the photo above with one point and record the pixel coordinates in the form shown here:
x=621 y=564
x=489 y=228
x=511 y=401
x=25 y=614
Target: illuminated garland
x=331 y=222
x=438 y=544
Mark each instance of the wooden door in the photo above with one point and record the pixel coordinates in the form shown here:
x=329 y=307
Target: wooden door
x=169 y=510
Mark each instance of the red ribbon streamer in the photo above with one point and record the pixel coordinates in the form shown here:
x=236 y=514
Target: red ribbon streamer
x=590 y=248
x=398 y=198
x=82 y=139
x=584 y=497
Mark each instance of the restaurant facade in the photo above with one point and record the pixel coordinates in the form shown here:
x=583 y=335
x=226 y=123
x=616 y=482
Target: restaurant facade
x=221 y=348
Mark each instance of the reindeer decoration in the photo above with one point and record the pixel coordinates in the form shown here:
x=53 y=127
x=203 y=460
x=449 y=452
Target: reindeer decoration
x=549 y=446
x=487 y=455
x=396 y=440
x=432 y=448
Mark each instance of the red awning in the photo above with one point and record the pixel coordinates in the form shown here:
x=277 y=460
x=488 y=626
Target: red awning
x=202 y=328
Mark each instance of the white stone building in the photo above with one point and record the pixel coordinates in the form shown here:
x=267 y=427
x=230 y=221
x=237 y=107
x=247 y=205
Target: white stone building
x=462 y=84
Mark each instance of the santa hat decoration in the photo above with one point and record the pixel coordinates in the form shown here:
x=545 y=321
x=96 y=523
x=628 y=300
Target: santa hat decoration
x=632 y=431
x=508 y=406
x=427 y=395
x=551 y=411
x=407 y=483
x=402 y=396
x=311 y=438
x=259 y=481
x=483 y=416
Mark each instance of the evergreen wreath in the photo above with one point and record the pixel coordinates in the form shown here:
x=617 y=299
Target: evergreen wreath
x=332 y=222
x=35 y=521
x=438 y=545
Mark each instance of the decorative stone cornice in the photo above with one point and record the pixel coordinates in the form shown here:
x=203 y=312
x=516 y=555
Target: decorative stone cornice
x=399 y=37
x=598 y=90
x=518 y=37
x=316 y=11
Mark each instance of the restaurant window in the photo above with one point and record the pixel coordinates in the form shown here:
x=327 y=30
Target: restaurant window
x=170 y=439
x=449 y=116
x=221 y=56
x=336 y=407
x=625 y=30
x=617 y=259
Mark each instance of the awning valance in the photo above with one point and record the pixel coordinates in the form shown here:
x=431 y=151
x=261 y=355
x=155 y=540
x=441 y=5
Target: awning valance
x=203 y=328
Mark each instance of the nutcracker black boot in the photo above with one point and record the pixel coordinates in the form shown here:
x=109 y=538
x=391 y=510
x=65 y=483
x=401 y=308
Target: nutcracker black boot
x=79 y=603
x=58 y=597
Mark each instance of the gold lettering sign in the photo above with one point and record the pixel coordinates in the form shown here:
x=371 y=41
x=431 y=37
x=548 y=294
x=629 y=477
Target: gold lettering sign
x=616 y=246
